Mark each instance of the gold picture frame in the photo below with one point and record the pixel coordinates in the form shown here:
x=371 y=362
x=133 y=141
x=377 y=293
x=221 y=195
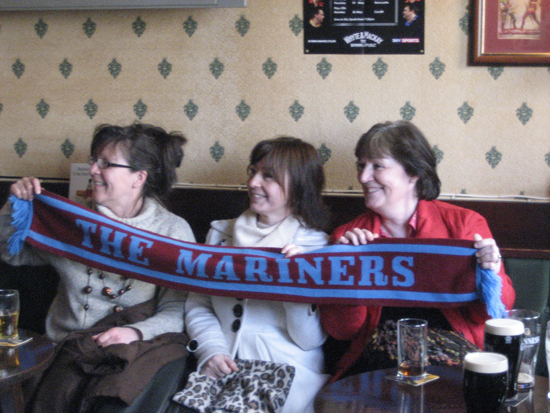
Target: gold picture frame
x=510 y=32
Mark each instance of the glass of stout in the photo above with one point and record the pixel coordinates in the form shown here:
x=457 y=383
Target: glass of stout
x=485 y=381
x=505 y=336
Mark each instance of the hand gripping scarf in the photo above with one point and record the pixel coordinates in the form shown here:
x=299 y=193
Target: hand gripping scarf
x=388 y=272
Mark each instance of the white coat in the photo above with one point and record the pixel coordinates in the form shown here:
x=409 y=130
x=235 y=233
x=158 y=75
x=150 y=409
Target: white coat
x=281 y=332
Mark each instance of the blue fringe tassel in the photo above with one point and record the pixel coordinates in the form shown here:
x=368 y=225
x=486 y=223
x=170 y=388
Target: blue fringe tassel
x=21 y=219
x=489 y=287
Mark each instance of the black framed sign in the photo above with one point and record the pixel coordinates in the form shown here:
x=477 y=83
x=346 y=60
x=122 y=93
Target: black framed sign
x=364 y=26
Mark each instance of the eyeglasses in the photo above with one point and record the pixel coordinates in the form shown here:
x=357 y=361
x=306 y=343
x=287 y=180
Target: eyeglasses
x=104 y=163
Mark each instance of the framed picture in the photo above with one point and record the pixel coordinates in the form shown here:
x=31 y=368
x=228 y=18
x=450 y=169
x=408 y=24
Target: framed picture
x=510 y=32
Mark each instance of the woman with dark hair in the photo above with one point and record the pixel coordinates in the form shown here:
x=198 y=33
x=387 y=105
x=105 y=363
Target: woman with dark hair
x=286 y=211
x=404 y=142
x=132 y=168
x=299 y=162
x=396 y=168
x=148 y=148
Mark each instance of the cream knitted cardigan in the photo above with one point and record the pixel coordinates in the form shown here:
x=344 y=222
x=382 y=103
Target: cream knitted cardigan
x=67 y=312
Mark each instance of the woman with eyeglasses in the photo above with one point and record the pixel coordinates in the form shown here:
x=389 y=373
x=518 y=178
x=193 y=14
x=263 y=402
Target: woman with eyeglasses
x=132 y=169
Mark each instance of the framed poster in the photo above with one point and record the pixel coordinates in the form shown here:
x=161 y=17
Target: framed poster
x=363 y=26
x=510 y=32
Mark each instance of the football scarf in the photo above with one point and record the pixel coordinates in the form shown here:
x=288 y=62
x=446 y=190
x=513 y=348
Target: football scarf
x=388 y=272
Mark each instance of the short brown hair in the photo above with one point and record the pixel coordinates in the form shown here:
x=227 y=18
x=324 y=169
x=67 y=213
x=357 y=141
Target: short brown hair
x=404 y=142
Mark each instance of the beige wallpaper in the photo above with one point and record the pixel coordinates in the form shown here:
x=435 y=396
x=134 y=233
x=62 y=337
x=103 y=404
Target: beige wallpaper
x=228 y=78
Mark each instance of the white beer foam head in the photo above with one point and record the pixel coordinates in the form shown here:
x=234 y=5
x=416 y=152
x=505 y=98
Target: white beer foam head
x=485 y=362
x=504 y=327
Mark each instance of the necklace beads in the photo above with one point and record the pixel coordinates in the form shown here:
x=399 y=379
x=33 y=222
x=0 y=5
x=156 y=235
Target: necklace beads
x=106 y=291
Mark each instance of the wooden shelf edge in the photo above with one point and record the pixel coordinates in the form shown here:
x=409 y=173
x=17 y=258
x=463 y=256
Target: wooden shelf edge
x=525 y=253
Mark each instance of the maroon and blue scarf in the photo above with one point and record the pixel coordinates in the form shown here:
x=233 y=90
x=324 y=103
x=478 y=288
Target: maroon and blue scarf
x=390 y=272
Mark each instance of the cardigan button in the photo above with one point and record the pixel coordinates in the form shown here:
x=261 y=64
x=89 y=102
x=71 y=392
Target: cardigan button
x=193 y=345
x=235 y=326
x=238 y=310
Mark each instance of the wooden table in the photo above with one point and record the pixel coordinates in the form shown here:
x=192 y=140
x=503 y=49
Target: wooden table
x=19 y=364
x=371 y=392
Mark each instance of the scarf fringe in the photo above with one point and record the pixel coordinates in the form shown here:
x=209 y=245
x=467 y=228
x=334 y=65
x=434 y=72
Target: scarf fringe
x=21 y=221
x=489 y=287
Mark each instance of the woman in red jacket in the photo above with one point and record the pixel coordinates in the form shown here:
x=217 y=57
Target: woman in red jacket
x=396 y=168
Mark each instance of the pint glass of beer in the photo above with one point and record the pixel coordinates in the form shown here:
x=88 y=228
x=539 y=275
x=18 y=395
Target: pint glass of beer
x=485 y=381
x=505 y=336
x=412 y=348
x=9 y=314
x=531 y=341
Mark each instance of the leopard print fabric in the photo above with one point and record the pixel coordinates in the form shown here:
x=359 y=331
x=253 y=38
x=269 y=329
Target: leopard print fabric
x=258 y=386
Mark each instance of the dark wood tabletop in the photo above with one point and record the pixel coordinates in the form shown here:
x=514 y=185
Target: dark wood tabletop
x=19 y=364
x=372 y=392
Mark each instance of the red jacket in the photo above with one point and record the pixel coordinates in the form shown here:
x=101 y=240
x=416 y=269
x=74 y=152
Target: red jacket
x=435 y=219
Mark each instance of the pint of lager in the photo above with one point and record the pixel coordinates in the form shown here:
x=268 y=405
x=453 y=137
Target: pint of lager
x=485 y=381
x=505 y=336
x=9 y=314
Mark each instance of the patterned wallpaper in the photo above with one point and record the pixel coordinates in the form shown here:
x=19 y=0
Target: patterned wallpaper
x=228 y=78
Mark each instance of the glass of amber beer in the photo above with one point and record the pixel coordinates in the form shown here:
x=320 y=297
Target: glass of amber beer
x=9 y=314
x=412 y=349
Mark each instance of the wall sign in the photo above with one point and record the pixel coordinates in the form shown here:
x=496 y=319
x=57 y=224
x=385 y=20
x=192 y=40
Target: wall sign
x=364 y=26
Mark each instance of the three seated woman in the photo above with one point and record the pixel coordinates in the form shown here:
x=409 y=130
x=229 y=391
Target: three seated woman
x=134 y=167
